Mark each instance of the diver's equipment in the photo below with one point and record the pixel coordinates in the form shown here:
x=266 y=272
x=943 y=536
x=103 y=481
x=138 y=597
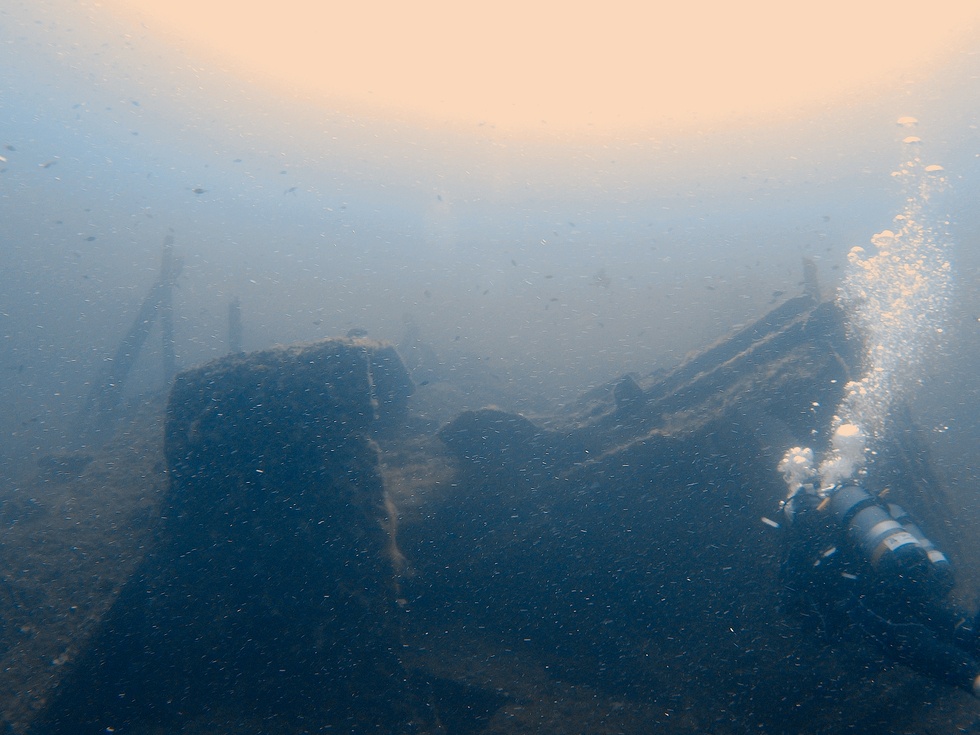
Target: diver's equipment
x=800 y=476
x=941 y=566
x=884 y=541
x=885 y=535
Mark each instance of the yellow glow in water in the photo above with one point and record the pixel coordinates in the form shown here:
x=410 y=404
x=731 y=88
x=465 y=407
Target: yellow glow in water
x=568 y=67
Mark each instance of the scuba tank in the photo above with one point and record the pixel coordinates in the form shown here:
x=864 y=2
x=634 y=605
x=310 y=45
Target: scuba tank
x=888 y=538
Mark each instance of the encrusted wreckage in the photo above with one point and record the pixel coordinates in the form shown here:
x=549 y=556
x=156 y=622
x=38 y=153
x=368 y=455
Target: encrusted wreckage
x=616 y=550
x=268 y=595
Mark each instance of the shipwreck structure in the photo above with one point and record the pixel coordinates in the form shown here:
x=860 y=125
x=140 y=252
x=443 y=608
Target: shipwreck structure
x=633 y=542
x=268 y=596
x=611 y=567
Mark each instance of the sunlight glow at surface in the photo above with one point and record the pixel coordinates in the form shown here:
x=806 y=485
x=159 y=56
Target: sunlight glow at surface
x=568 y=67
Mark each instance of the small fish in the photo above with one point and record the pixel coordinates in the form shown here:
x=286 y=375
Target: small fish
x=199 y=190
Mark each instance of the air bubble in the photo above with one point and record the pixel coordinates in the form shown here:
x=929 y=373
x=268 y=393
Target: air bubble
x=896 y=297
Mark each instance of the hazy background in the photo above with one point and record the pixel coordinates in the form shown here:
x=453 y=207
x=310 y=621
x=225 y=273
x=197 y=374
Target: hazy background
x=558 y=257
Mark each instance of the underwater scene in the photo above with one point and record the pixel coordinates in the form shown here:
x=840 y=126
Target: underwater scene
x=489 y=368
